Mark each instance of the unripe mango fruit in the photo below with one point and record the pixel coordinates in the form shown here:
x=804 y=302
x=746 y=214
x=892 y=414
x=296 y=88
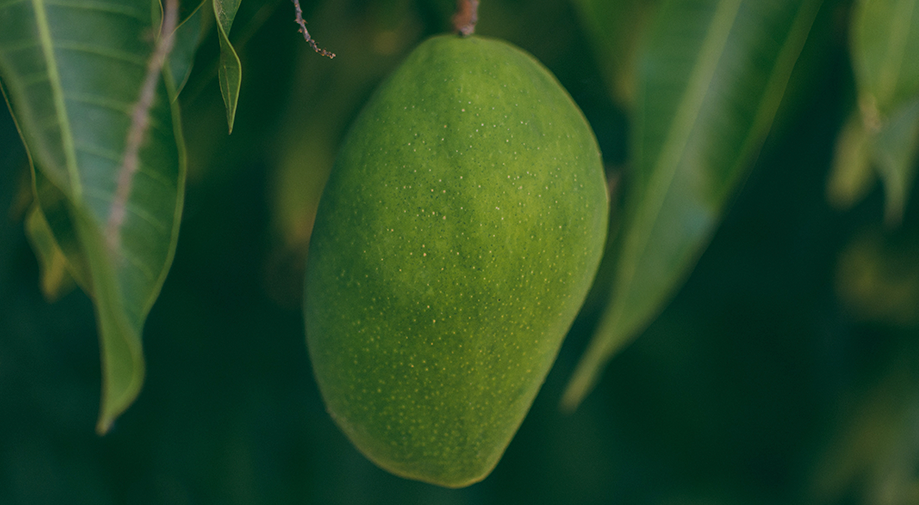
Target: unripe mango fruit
x=454 y=243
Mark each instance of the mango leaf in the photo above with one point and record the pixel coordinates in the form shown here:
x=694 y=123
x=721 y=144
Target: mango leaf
x=229 y=69
x=187 y=36
x=895 y=156
x=76 y=77
x=885 y=45
x=864 y=151
x=710 y=81
x=53 y=206
x=55 y=279
x=852 y=174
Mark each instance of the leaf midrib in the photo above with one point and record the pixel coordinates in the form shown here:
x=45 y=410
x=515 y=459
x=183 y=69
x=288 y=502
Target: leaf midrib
x=773 y=92
x=60 y=107
x=662 y=178
x=678 y=136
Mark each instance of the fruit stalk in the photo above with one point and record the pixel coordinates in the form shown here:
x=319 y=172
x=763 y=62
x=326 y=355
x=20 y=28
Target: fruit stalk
x=306 y=34
x=467 y=15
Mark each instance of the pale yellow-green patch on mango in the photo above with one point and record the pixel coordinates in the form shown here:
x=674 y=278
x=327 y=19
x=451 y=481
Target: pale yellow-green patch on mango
x=457 y=237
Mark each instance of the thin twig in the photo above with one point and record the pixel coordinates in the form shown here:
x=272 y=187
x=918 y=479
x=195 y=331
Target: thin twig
x=306 y=34
x=467 y=15
x=140 y=121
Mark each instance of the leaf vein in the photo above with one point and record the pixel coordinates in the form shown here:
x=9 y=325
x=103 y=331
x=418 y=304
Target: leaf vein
x=32 y=79
x=102 y=7
x=105 y=198
x=10 y=47
x=4 y=5
x=116 y=105
x=141 y=267
x=98 y=151
x=100 y=101
x=105 y=52
x=115 y=156
x=668 y=160
x=57 y=93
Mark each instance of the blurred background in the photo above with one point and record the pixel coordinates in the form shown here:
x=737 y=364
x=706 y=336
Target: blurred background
x=785 y=370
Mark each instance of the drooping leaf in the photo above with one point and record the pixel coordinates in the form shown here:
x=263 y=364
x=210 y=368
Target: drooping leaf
x=895 y=156
x=885 y=45
x=56 y=281
x=187 y=36
x=711 y=77
x=229 y=69
x=866 y=150
x=74 y=72
x=885 y=57
x=55 y=210
x=852 y=174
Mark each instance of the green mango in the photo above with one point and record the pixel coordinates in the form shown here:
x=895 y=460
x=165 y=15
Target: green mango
x=454 y=243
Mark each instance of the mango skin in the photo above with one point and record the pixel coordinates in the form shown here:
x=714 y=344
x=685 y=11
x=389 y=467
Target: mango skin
x=454 y=243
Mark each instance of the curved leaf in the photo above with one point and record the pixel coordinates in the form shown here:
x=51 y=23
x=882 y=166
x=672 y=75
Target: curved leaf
x=55 y=279
x=852 y=175
x=885 y=53
x=75 y=72
x=710 y=80
x=54 y=208
x=885 y=57
x=895 y=155
x=187 y=36
x=229 y=70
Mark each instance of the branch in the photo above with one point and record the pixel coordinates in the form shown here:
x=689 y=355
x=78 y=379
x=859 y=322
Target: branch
x=140 y=121
x=306 y=34
x=467 y=15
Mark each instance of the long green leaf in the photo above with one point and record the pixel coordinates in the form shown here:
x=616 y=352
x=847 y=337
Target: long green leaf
x=75 y=71
x=710 y=80
x=229 y=70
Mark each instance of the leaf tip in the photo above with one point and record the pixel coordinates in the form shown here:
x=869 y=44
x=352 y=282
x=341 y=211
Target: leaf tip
x=104 y=425
x=581 y=383
x=121 y=384
x=112 y=407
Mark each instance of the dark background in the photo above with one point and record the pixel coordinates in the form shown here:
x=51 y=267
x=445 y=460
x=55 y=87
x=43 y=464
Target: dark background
x=784 y=371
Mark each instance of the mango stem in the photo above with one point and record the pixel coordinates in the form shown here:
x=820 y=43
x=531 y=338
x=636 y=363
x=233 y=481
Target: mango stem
x=467 y=14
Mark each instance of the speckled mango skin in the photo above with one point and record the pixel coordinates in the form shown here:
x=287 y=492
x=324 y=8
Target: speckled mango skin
x=454 y=243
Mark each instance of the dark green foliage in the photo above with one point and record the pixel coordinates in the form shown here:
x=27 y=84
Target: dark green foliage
x=779 y=369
